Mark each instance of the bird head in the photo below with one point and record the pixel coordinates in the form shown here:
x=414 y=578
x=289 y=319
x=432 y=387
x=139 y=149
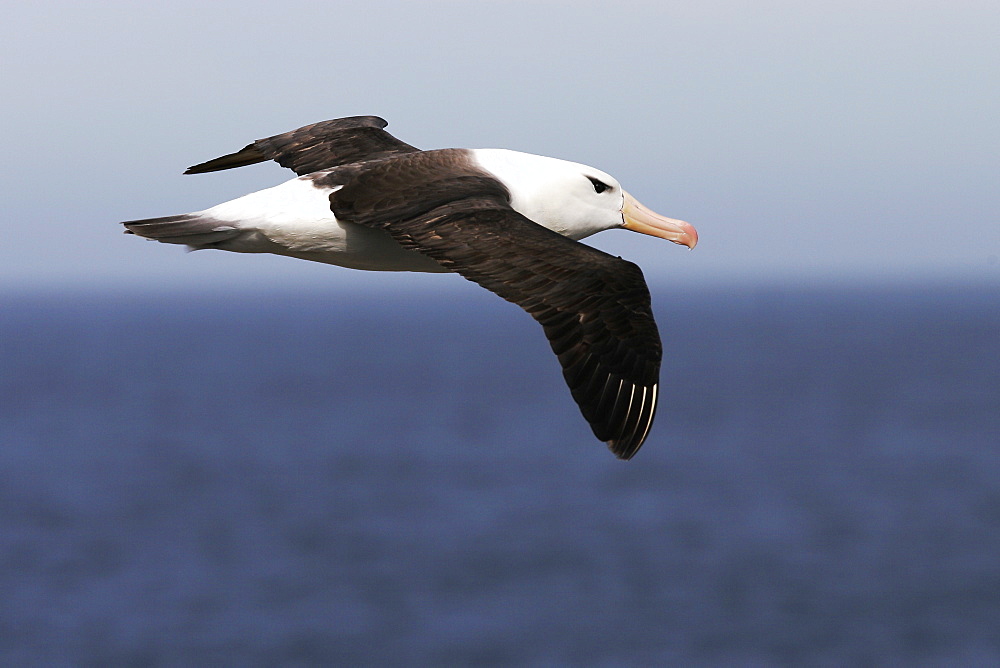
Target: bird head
x=576 y=200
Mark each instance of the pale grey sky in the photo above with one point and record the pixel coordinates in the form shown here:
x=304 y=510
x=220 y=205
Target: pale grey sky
x=855 y=140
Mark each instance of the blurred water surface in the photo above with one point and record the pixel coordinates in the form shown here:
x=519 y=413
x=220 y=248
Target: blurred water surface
x=405 y=480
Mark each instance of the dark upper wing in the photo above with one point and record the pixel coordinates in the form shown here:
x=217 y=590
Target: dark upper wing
x=315 y=147
x=594 y=308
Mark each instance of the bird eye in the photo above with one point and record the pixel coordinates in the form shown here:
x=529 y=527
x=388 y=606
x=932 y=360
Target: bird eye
x=599 y=186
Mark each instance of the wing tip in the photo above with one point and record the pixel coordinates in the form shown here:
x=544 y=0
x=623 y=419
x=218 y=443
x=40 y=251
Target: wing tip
x=622 y=449
x=627 y=444
x=249 y=155
x=625 y=449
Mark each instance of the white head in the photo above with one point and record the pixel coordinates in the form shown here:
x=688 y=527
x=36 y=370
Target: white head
x=575 y=200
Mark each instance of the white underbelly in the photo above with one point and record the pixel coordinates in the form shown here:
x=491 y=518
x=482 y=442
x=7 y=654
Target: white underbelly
x=294 y=219
x=351 y=245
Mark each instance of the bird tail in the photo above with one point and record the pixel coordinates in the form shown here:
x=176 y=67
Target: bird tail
x=191 y=229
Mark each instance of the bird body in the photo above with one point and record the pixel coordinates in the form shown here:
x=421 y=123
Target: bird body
x=294 y=219
x=507 y=220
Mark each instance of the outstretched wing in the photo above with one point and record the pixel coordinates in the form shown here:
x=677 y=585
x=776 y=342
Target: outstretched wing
x=594 y=307
x=316 y=147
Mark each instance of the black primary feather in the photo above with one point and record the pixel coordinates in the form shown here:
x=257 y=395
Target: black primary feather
x=316 y=147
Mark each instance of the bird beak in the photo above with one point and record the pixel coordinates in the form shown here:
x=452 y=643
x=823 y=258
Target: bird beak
x=640 y=219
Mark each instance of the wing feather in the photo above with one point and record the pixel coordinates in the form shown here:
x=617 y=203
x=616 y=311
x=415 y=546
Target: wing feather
x=594 y=308
x=316 y=147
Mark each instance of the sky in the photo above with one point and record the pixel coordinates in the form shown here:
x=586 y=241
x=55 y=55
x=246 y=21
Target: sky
x=845 y=141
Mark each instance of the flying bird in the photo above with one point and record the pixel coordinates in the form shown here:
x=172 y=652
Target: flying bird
x=509 y=221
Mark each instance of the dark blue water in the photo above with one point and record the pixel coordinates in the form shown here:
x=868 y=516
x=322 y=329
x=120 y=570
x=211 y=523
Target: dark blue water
x=282 y=480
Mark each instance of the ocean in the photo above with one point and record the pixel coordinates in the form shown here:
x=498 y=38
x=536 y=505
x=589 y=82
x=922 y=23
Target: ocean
x=338 y=479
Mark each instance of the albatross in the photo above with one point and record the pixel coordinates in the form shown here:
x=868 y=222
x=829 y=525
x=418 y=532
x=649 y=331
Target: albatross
x=506 y=220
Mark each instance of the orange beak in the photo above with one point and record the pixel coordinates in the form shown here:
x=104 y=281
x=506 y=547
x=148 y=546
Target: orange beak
x=640 y=219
